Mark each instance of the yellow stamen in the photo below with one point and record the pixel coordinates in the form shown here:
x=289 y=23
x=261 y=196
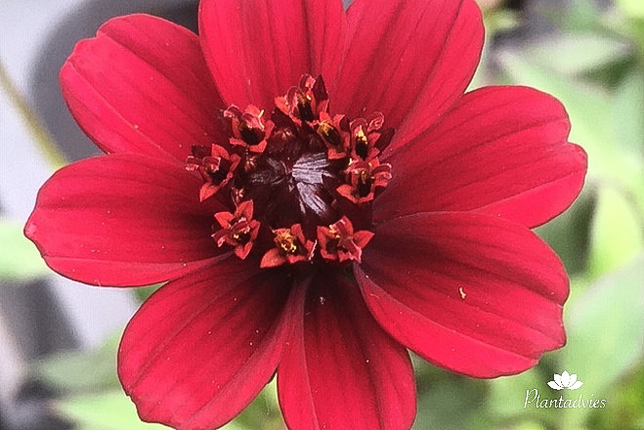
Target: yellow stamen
x=361 y=138
x=286 y=241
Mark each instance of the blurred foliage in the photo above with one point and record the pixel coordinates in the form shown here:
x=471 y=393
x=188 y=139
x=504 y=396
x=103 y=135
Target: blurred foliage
x=76 y=372
x=20 y=261
x=41 y=137
x=108 y=410
x=143 y=293
x=112 y=410
x=593 y=61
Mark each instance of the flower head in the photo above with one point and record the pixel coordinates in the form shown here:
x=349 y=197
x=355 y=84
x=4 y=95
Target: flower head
x=321 y=195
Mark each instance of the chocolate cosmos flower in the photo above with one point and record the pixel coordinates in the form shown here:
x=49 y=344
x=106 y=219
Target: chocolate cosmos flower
x=321 y=196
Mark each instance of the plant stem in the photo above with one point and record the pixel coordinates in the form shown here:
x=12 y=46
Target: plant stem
x=41 y=136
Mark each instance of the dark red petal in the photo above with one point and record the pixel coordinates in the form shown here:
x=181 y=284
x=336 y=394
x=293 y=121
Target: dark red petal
x=502 y=151
x=408 y=58
x=340 y=370
x=142 y=85
x=258 y=49
x=202 y=347
x=474 y=294
x=123 y=220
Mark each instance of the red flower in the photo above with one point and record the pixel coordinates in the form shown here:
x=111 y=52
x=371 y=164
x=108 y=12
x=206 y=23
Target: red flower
x=391 y=210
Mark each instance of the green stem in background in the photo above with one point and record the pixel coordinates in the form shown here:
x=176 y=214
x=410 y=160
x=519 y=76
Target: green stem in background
x=41 y=137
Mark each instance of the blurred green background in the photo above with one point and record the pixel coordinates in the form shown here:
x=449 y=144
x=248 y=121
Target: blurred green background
x=591 y=57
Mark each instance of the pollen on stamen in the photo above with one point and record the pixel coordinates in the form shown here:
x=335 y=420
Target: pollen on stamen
x=215 y=165
x=339 y=242
x=238 y=229
x=364 y=179
x=362 y=144
x=286 y=241
x=290 y=247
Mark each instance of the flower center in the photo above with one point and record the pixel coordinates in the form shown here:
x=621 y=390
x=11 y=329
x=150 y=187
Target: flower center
x=295 y=179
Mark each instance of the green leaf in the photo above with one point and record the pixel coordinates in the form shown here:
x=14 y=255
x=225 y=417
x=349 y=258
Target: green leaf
x=143 y=293
x=113 y=410
x=626 y=411
x=92 y=380
x=626 y=113
x=617 y=233
x=451 y=403
x=576 y=15
x=568 y=233
x=76 y=372
x=632 y=8
x=499 y=20
x=110 y=410
x=262 y=414
x=604 y=327
x=508 y=394
x=578 y=53
x=19 y=258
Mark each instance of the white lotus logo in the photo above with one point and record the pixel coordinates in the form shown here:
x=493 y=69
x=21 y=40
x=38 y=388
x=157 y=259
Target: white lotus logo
x=565 y=380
